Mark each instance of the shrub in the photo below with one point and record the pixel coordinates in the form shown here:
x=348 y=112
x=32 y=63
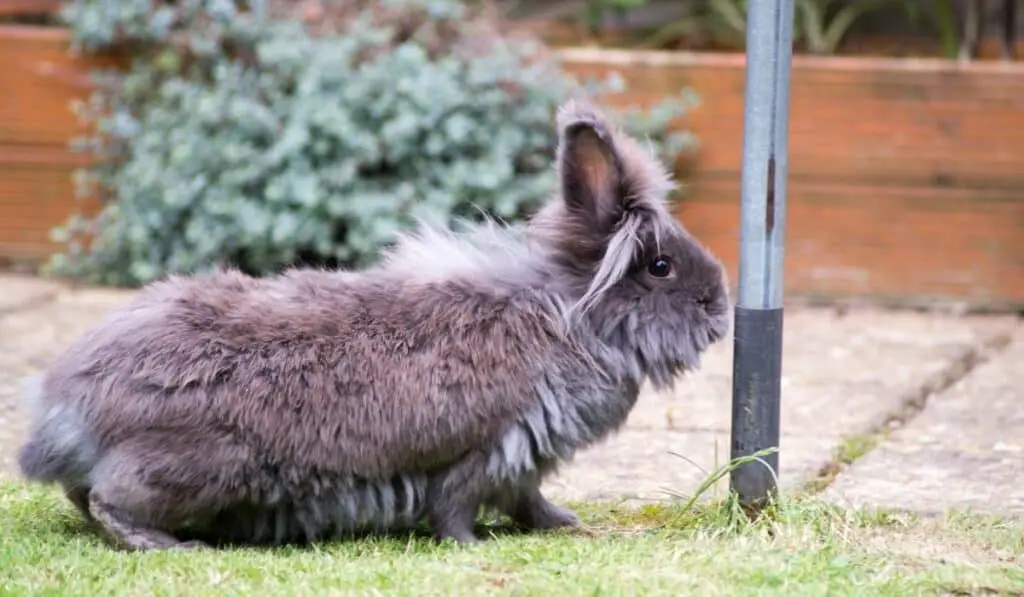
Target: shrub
x=266 y=135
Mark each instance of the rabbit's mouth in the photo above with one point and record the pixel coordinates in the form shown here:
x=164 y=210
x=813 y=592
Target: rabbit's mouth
x=717 y=333
x=717 y=326
x=664 y=372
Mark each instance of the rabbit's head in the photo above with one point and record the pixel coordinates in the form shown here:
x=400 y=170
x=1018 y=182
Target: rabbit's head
x=638 y=280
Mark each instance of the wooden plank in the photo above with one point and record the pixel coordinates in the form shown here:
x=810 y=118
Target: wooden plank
x=34 y=198
x=864 y=241
x=913 y=123
x=29 y=7
x=14 y=154
x=41 y=78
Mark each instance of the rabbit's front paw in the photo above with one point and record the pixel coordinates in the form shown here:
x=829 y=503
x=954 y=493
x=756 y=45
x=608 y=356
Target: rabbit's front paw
x=192 y=544
x=453 y=518
x=456 y=526
x=462 y=536
x=534 y=511
x=554 y=517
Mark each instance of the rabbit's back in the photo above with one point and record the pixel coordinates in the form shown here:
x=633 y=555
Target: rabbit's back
x=368 y=376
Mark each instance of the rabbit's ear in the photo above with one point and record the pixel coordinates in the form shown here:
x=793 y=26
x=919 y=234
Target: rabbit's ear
x=590 y=167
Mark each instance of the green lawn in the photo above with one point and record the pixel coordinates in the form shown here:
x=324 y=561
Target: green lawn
x=805 y=548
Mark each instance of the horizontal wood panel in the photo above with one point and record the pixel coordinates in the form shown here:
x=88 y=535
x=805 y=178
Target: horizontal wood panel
x=34 y=198
x=29 y=7
x=952 y=126
x=39 y=79
x=12 y=154
x=845 y=240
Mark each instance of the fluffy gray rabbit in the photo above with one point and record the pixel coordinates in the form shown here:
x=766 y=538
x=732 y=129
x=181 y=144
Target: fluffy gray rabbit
x=454 y=375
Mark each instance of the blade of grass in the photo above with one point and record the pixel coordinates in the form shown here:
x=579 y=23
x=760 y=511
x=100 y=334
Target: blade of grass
x=710 y=480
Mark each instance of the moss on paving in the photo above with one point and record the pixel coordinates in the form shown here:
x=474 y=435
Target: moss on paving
x=803 y=547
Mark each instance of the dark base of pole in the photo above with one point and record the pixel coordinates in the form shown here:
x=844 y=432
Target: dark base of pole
x=756 y=375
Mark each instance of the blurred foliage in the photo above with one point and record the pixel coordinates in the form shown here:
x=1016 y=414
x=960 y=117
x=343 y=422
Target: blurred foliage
x=595 y=10
x=819 y=25
x=946 y=22
x=268 y=133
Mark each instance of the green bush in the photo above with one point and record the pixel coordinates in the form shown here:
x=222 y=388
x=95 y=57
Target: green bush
x=246 y=135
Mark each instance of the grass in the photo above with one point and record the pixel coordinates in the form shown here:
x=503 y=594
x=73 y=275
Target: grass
x=802 y=547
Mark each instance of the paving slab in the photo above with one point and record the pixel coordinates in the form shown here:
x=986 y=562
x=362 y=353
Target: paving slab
x=965 y=450
x=843 y=374
x=17 y=291
x=643 y=465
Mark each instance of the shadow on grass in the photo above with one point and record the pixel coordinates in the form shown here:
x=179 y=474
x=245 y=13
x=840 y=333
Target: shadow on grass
x=68 y=523
x=421 y=533
x=599 y=520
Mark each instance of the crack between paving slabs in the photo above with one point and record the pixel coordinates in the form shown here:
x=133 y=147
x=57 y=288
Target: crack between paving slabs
x=856 y=446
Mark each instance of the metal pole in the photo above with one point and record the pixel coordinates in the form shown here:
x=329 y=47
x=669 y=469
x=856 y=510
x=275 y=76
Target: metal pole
x=757 y=345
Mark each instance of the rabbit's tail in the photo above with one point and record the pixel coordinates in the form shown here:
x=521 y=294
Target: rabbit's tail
x=59 y=448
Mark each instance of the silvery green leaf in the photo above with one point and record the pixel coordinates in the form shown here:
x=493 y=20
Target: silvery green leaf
x=291 y=142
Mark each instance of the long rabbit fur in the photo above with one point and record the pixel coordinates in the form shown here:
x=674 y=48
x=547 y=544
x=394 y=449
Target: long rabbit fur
x=455 y=374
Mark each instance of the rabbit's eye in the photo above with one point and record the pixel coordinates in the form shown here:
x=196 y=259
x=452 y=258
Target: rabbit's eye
x=659 y=267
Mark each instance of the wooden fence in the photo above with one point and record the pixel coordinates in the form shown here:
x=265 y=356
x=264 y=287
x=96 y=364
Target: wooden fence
x=39 y=81
x=906 y=177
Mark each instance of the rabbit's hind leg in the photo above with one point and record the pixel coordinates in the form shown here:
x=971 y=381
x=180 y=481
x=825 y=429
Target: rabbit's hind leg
x=129 y=534
x=154 y=484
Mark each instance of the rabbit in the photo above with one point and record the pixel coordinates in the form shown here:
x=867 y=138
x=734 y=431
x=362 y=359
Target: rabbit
x=455 y=374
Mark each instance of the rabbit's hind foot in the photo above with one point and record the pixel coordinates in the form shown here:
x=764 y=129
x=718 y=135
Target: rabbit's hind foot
x=79 y=497
x=132 y=536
